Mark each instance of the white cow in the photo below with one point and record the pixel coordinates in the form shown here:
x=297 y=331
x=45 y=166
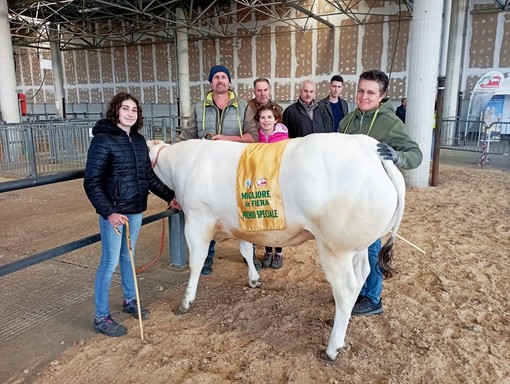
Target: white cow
x=335 y=188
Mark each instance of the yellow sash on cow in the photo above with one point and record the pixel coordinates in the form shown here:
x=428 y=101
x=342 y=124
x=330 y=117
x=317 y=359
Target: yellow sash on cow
x=259 y=199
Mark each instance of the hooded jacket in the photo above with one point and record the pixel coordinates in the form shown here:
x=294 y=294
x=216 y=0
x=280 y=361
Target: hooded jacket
x=383 y=125
x=280 y=133
x=118 y=173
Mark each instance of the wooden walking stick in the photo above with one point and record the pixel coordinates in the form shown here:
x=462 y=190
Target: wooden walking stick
x=128 y=237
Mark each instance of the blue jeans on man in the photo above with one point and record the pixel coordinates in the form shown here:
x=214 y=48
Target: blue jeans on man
x=115 y=251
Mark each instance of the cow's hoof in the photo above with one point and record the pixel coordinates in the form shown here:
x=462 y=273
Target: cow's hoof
x=325 y=358
x=255 y=283
x=180 y=311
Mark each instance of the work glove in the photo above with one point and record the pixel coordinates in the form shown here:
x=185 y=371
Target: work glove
x=388 y=153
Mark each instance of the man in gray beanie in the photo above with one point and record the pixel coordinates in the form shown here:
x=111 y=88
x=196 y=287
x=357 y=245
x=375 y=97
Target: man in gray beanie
x=220 y=116
x=219 y=68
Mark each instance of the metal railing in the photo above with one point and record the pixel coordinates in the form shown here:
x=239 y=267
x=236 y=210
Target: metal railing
x=32 y=149
x=473 y=135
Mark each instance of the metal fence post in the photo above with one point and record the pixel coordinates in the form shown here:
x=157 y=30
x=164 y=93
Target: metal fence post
x=163 y=129
x=178 y=247
x=30 y=148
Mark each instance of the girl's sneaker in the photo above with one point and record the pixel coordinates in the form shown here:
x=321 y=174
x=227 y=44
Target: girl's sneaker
x=268 y=258
x=132 y=307
x=109 y=327
x=277 y=262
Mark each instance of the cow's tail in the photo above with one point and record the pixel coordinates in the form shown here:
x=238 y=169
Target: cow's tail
x=386 y=253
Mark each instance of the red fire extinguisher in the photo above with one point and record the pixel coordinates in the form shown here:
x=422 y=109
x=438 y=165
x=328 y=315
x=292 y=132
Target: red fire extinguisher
x=22 y=99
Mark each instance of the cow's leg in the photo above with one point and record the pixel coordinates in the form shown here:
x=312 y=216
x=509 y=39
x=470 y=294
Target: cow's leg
x=361 y=267
x=198 y=236
x=247 y=252
x=345 y=282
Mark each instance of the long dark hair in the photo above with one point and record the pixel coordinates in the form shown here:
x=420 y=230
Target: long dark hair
x=112 y=113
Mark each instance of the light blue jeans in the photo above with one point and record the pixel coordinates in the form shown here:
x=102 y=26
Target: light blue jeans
x=115 y=249
x=373 y=284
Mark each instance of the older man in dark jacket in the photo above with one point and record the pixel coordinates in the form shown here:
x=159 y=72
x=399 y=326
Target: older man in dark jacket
x=303 y=117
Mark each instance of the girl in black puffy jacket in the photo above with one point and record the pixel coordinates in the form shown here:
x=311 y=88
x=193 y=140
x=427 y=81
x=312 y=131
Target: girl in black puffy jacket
x=118 y=178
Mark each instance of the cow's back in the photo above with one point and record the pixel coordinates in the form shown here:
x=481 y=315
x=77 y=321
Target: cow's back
x=334 y=186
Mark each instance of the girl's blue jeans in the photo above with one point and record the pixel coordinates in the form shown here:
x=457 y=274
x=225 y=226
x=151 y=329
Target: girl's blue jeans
x=114 y=250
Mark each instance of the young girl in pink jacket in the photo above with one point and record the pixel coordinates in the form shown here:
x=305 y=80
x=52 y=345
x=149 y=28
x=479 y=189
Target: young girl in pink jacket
x=271 y=130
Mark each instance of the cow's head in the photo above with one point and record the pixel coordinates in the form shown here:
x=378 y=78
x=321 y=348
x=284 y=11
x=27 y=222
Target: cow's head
x=154 y=143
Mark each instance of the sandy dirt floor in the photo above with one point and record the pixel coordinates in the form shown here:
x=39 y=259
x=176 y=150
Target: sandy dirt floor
x=446 y=314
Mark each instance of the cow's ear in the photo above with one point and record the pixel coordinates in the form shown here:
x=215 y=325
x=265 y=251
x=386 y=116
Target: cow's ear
x=150 y=144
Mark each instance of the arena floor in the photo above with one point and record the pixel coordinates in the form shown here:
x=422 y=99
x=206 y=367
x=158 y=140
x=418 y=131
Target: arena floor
x=49 y=306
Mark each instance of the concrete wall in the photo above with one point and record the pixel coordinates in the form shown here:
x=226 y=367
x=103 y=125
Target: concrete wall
x=148 y=70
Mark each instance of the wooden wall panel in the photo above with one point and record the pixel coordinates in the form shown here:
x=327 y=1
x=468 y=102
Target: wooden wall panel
x=194 y=61
x=163 y=94
x=83 y=95
x=245 y=91
x=119 y=65
x=108 y=94
x=161 y=62
x=348 y=47
x=72 y=95
x=96 y=95
x=397 y=88
x=372 y=46
x=283 y=53
x=282 y=91
x=133 y=64
x=227 y=57
x=397 y=45
x=504 y=52
x=264 y=53
x=325 y=51
x=136 y=91
x=209 y=58
x=149 y=94
x=322 y=89
x=105 y=58
x=303 y=53
x=147 y=60
x=245 y=68
x=194 y=93
x=82 y=75
x=94 y=72
x=481 y=49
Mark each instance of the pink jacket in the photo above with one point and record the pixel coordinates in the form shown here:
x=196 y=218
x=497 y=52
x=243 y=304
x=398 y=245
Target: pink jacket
x=280 y=133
